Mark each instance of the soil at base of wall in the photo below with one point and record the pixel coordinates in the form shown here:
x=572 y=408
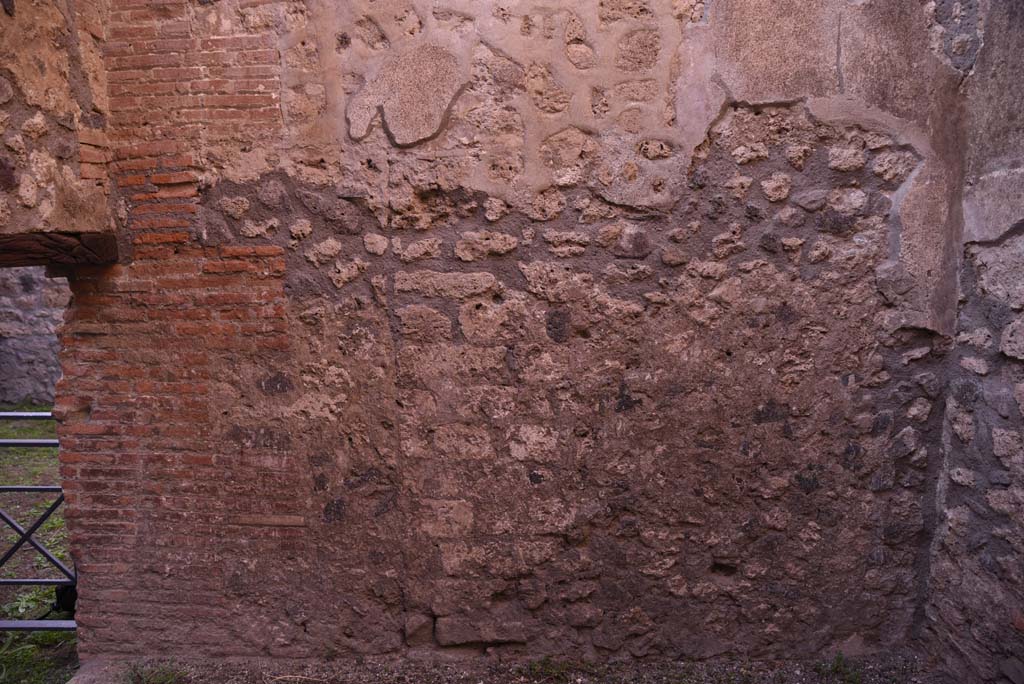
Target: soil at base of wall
x=895 y=668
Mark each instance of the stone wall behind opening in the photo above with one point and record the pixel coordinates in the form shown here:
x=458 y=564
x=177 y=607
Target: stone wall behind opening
x=31 y=311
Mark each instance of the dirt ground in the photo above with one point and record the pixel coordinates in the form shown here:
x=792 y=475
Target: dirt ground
x=894 y=669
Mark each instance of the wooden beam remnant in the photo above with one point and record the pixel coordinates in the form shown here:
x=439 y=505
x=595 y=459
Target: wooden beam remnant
x=44 y=249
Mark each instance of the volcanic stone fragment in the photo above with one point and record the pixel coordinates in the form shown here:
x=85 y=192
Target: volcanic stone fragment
x=413 y=91
x=776 y=187
x=626 y=240
x=429 y=248
x=235 y=207
x=1012 y=341
x=638 y=50
x=846 y=158
x=446 y=285
x=474 y=246
x=375 y=244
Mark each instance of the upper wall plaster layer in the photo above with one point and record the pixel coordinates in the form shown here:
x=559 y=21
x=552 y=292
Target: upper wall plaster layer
x=620 y=76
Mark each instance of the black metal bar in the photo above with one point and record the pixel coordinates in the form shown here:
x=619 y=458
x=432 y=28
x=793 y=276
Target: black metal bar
x=37 y=625
x=41 y=581
x=52 y=489
x=38 y=546
x=21 y=443
x=26 y=536
x=26 y=415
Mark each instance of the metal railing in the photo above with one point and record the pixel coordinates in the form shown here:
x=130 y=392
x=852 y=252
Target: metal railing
x=64 y=587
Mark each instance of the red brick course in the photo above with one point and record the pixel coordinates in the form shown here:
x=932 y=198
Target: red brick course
x=146 y=472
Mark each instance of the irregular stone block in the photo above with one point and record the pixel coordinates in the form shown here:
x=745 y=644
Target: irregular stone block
x=414 y=91
x=456 y=630
x=445 y=285
x=473 y=246
x=1011 y=341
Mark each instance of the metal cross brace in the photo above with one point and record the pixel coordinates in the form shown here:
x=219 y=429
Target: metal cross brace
x=26 y=536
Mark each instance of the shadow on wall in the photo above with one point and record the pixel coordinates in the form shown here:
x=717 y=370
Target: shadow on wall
x=31 y=310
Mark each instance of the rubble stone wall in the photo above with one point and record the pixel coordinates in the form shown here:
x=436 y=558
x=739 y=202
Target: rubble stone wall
x=53 y=175
x=605 y=329
x=976 y=604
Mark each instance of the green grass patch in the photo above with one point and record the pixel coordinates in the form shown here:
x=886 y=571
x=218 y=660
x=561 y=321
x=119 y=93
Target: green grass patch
x=840 y=670
x=155 y=673
x=38 y=658
x=549 y=670
x=27 y=429
x=27 y=465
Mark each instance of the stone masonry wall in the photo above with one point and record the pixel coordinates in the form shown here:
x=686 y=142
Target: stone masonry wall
x=976 y=606
x=53 y=179
x=31 y=310
x=481 y=337
x=605 y=329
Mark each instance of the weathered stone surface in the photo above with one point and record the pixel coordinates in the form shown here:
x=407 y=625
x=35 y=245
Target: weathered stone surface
x=424 y=324
x=776 y=187
x=778 y=50
x=476 y=245
x=375 y=244
x=847 y=157
x=322 y=252
x=997 y=270
x=235 y=207
x=458 y=630
x=446 y=285
x=413 y=92
x=638 y=50
x=894 y=167
x=548 y=95
x=429 y=248
x=344 y=272
x=567 y=243
x=1012 y=341
x=567 y=153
